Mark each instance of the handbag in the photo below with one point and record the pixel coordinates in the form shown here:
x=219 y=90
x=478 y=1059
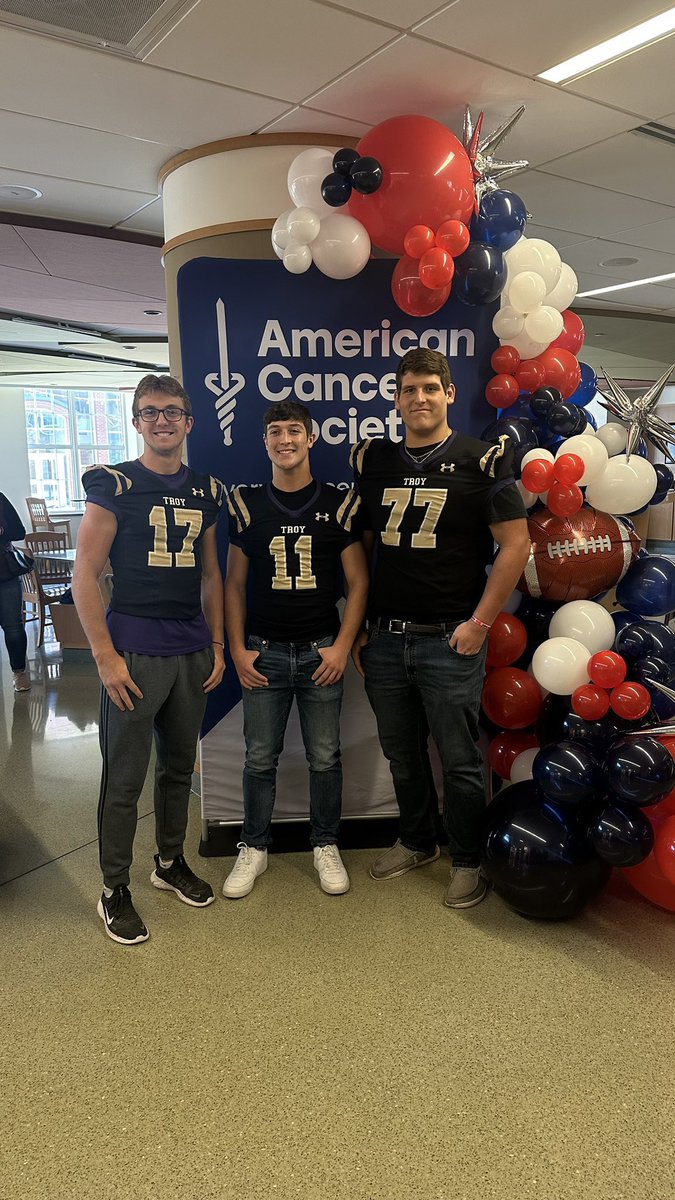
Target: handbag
x=14 y=562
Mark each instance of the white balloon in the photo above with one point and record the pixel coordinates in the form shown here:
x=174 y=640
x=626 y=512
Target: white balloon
x=538 y=452
x=526 y=347
x=533 y=254
x=305 y=176
x=613 y=436
x=521 y=767
x=342 y=248
x=507 y=323
x=591 y=451
x=585 y=621
x=297 y=258
x=560 y=665
x=544 y=324
x=280 y=237
x=526 y=291
x=562 y=295
x=303 y=225
x=529 y=499
x=551 y=262
x=624 y=486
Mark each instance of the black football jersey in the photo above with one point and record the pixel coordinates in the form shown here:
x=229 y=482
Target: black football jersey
x=156 y=554
x=432 y=523
x=295 y=570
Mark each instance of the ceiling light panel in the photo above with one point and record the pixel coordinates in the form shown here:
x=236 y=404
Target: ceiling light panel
x=613 y=48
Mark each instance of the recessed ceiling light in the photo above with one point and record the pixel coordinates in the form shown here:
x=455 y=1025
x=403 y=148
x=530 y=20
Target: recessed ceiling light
x=618 y=287
x=15 y=191
x=615 y=47
x=618 y=262
x=151 y=312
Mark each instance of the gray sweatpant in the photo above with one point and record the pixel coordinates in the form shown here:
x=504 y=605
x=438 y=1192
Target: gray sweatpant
x=171 y=710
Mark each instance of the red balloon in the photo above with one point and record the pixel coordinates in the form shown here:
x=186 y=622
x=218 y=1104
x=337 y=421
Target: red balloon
x=607 y=668
x=562 y=370
x=410 y=293
x=648 y=879
x=664 y=849
x=530 y=374
x=506 y=640
x=564 y=499
x=427 y=180
x=537 y=475
x=512 y=698
x=665 y=807
x=573 y=335
x=502 y=391
x=569 y=468
x=453 y=236
x=505 y=360
x=418 y=240
x=505 y=748
x=630 y=700
x=590 y=702
x=436 y=268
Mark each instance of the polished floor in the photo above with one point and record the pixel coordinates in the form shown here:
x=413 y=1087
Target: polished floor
x=373 y=1045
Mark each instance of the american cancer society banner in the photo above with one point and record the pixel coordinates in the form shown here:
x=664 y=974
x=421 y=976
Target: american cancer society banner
x=251 y=335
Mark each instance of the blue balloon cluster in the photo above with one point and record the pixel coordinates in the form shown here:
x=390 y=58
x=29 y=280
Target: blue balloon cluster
x=351 y=170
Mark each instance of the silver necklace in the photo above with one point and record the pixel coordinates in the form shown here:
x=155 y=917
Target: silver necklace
x=424 y=457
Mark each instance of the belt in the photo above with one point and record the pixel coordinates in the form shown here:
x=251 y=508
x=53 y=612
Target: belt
x=385 y=626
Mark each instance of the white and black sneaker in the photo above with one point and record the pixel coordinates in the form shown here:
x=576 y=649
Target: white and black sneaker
x=122 y=922
x=179 y=878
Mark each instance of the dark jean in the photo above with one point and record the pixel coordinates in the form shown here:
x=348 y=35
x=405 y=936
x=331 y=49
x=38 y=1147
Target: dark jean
x=289 y=668
x=417 y=684
x=11 y=620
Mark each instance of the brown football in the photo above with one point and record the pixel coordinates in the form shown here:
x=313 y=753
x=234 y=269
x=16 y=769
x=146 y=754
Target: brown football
x=573 y=558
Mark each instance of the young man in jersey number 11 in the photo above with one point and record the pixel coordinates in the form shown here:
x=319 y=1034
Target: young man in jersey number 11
x=160 y=650
x=288 y=541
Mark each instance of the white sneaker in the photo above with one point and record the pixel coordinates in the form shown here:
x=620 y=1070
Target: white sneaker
x=21 y=681
x=249 y=865
x=332 y=874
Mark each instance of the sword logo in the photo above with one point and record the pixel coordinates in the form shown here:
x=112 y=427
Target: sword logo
x=224 y=384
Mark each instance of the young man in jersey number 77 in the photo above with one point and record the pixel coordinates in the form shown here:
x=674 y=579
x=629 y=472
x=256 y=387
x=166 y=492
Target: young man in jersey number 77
x=288 y=541
x=160 y=651
x=433 y=506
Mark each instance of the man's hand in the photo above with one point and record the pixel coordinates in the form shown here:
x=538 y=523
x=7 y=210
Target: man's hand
x=218 y=669
x=359 y=642
x=332 y=667
x=115 y=677
x=244 y=661
x=468 y=638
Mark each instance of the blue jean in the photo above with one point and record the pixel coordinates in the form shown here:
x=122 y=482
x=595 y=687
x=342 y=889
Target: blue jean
x=417 y=684
x=11 y=620
x=289 y=668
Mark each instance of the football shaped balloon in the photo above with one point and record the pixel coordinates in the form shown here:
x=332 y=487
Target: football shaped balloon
x=576 y=557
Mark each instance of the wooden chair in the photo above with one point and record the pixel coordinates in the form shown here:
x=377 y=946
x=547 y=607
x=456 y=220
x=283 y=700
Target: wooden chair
x=42 y=522
x=53 y=575
x=35 y=603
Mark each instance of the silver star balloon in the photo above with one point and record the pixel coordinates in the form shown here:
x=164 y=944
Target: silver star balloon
x=488 y=171
x=640 y=416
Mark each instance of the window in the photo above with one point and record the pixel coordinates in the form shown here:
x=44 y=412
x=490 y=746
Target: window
x=67 y=432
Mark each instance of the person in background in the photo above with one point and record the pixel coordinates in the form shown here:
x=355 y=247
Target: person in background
x=161 y=649
x=11 y=615
x=432 y=507
x=288 y=543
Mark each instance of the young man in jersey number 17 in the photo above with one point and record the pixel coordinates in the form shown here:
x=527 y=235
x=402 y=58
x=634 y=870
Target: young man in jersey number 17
x=288 y=541
x=160 y=650
x=432 y=508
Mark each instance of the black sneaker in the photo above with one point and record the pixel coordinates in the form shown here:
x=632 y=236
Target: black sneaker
x=180 y=879
x=122 y=922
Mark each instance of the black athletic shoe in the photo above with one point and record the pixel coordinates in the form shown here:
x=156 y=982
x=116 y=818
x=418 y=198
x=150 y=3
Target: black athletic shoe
x=122 y=922
x=180 y=879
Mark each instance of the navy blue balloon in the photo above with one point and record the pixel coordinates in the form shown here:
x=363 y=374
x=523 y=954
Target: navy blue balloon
x=568 y=772
x=648 y=587
x=621 y=619
x=642 y=638
x=336 y=190
x=343 y=160
x=558 y=722
x=650 y=670
x=622 y=835
x=639 y=770
x=538 y=854
x=666 y=479
x=565 y=418
x=587 y=388
x=523 y=435
x=500 y=221
x=542 y=400
x=480 y=274
x=536 y=616
x=366 y=175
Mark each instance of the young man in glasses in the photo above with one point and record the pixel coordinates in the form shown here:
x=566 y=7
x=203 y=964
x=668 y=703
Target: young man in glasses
x=433 y=506
x=159 y=649
x=289 y=541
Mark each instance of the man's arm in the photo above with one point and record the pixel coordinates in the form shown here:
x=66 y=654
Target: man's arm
x=513 y=539
x=361 y=634
x=235 y=619
x=212 y=604
x=95 y=538
x=335 y=657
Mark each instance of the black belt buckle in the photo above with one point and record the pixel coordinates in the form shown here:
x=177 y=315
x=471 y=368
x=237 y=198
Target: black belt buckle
x=397 y=626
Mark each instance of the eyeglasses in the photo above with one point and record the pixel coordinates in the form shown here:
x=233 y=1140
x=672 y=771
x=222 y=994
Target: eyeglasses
x=171 y=413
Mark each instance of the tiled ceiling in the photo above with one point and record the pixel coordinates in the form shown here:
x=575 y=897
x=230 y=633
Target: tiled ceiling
x=88 y=119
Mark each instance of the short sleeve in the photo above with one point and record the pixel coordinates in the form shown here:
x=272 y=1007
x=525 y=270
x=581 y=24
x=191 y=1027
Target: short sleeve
x=103 y=485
